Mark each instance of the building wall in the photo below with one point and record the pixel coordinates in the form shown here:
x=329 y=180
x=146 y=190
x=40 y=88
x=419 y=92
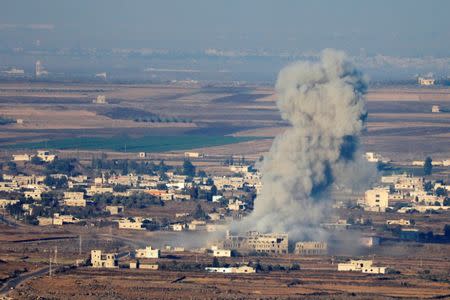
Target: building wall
x=222 y=253
x=147 y=252
x=311 y=248
x=377 y=199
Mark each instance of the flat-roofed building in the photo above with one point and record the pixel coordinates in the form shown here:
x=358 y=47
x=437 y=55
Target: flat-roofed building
x=311 y=248
x=272 y=243
x=376 y=199
x=221 y=253
x=135 y=223
x=74 y=199
x=147 y=252
x=6 y=202
x=364 y=266
x=193 y=154
x=45 y=221
x=35 y=195
x=148 y=266
x=178 y=226
x=107 y=260
x=230 y=270
x=115 y=209
x=435 y=109
x=400 y=222
x=22 y=157
x=426 y=81
x=45 y=155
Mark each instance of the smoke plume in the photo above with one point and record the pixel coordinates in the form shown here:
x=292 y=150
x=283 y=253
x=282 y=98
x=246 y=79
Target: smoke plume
x=323 y=102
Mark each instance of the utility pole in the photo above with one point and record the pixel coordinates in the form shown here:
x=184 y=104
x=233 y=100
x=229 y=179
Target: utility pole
x=56 y=255
x=50 y=263
x=79 y=246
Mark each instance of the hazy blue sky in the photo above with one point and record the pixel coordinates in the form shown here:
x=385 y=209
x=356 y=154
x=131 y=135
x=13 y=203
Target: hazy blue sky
x=401 y=28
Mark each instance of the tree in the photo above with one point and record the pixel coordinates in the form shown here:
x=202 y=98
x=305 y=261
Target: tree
x=62 y=166
x=120 y=188
x=447 y=230
x=447 y=202
x=15 y=210
x=188 y=169
x=215 y=263
x=428 y=186
x=193 y=192
x=202 y=174
x=441 y=192
x=428 y=166
x=199 y=213
x=59 y=183
x=12 y=166
x=36 y=160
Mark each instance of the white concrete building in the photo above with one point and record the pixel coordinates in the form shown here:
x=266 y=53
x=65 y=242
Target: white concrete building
x=311 y=248
x=107 y=260
x=101 y=99
x=6 y=202
x=364 y=266
x=400 y=222
x=22 y=157
x=236 y=205
x=426 y=81
x=217 y=198
x=147 y=252
x=236 y=270
x=45 y=155
x=372 y=157
x=178 y=226
x=376 y=199
x=131 y=223
x=221 y=253
x=115 y=209
x=74 y=199
x=193 y=154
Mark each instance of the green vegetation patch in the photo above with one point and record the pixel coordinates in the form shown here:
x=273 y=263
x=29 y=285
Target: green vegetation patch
x=6 y=121
x=129 y=144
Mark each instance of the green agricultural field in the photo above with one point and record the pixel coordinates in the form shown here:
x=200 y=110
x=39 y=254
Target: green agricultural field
x=129 y=144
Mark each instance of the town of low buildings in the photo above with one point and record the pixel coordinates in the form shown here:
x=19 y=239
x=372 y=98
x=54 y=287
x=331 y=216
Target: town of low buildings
x=229 y=198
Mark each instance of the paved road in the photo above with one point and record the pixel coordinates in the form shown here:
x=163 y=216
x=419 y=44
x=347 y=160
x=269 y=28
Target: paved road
x=12 y=283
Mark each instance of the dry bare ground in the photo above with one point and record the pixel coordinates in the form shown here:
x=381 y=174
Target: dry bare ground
x=400 y=119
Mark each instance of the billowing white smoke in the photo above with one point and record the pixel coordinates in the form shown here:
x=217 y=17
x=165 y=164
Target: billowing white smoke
x=323 y=102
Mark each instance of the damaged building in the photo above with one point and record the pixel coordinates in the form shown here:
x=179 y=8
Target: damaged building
x=253 y=241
